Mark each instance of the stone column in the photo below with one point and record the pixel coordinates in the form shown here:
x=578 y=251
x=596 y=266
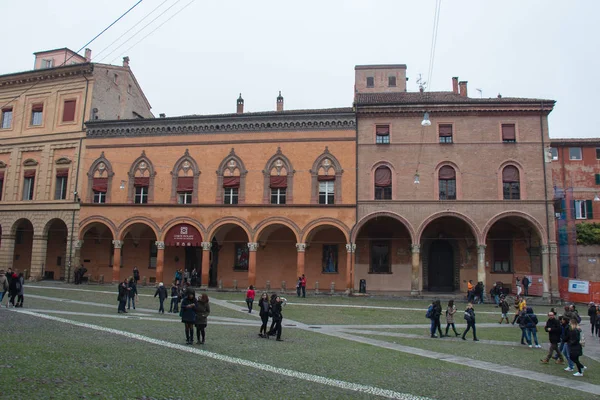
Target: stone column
x=74 y=261
x=117 y=260
x=301 y=247
x=415 y=275
x=554 y=274
x=7 y=251
x=350 y=250
x=545 y=273
x=206 y=246
x=160 y=261
x=38 y=256
x=481 y=267
x=252 y=263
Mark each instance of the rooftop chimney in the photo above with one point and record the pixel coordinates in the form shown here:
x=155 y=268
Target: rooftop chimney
x=88 y=55
x=455 y=85
x=240 y=105
x=280 y=102
x=162 y=115
x=463 y=88
x=126 y=61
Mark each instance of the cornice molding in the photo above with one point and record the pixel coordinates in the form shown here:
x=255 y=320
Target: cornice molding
x=45 y=74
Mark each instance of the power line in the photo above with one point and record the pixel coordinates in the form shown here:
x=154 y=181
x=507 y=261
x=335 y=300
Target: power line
x=436 y=20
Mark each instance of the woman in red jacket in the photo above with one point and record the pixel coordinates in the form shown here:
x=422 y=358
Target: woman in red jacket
x=250 y=298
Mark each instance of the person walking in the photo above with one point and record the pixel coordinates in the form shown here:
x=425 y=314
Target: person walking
x=136 y=274
x=450 y=311
x=525 y=282
x=162 y=294
x=14 y=286
x=278 y=318
x=598 y=322
x=504 y=307
x=479 y=293
x=518 y=285
x=435 y=319
x=470 y=318
x=21 y=291
x=303 y=285
x=470 y=292
x=592 y=313
x=554 y=331
x=202 y=312
x=520 y=305
x=132 y=293
x=174 y=307
x=495 y=293
x=531 y=322
x=575 y=349
x=188 y=314
x=3 y=285
x=122 y=297
x=299 y=286
x=178 y=276
x=271 y=307
x=250 y=294
x=263 y=304
x=565 y=325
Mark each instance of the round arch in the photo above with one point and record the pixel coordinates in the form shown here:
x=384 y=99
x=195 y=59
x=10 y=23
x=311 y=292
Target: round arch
x=88 y=223
x=311 y=226
x=378 y=214
x=179 y=220
x=138 y=220
x=514 y=213
x=474 y=228
x=49 y=224
x=18 y=222
x=261 y=226
x=214 y=227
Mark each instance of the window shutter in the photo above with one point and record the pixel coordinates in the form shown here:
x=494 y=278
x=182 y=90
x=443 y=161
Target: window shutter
x=29 y=173
x=185 y=183
x=69 y=111
x=62 y=173
x=510 y=174
x=382 y=130
x=100 y=185
x=37 y=108
x=141 y=181
x=383 y=177
x=573 y=212
x=597 y=179
x=447 y=172
x=278 y=182
x=445 y=130
x=322 y=178
x=508 y=132
x=231 y=182
x=589 y=209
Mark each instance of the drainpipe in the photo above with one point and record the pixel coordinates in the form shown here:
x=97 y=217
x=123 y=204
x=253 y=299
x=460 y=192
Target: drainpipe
x=545 y=181
x=76 y=196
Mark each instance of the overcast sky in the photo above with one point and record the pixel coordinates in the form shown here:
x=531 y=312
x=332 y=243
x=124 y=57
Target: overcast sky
x=200 y=60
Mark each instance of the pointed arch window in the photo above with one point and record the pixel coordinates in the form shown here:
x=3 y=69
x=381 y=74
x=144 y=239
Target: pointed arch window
x=278 y=180
x=326 y=179
x=383 y=183
x=100 y=177
x=511 y=185
x=186 y=174
x=447 y=183
x=141 y=181
x=231 y=180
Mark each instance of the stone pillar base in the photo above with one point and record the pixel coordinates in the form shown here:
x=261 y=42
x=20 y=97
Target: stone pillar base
x=415 y=293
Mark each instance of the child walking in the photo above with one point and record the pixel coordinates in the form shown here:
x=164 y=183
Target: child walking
x=250 y=298
x=202 y=312
x=188 y=315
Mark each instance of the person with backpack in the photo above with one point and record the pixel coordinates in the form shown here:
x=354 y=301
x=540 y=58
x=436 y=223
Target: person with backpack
x=188 y=314
x=576 y=343
x=263 y=304
x=525 y=282
x=435 y=314
x=202 y=312
x=554 y=332
x=450 y=311
x=250 y=294
x=470 y=318
x=592 y=313
x=162 y=294
x=531 y=321
x=504 y=307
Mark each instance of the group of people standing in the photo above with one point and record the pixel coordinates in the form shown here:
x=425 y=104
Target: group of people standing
x=127 y=294
x=194 y=312
x=13 y=284
x=273 y=308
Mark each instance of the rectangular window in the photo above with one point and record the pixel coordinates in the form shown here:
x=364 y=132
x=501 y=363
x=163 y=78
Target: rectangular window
x=242 y=255
x=597 y=179
x=184 y=197
x=370 y=81
x=330 y=258
x=1 y=184
x=597 y=153
x=383 y=193
x=380 y=258
x=7 y=116
x=511 y=190
x=141 y=194
x=445 y=133
x=554 y=153
x=230 y=196
x=69 y=111
x=326 y=192
x=60 y=191
x=28 y=187
x=447 y=189
x=129 y=89
x=99 y=197
x=115 y=78
x=37 y=113
x=583 y=209
x=278 y=196
x=100 y=187
x=574 y=153
x=382 y=134
x=391 y=81
x=47 y=63
x=153 y=255
x=509 y=134
x=502 y=255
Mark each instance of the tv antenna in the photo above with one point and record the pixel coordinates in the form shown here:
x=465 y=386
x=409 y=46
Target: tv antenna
x=422 y=84
x=480 y=92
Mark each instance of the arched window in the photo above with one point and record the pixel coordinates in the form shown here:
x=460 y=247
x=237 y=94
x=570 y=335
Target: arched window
x=231 y=180
x=141 y=181
x=383 y=183
x=447 y=183
x=278 y=180
x=185 y=176
x=326 y=180
x=511 y=186
x=100 y=177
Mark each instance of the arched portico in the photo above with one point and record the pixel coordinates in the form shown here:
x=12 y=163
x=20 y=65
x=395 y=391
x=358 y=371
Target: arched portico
x=96 y=247
x=228 y=254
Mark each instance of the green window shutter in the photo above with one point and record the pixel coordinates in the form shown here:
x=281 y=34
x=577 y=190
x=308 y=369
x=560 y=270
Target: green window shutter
x=597 y=179
x=589 y=211
x=573 y=213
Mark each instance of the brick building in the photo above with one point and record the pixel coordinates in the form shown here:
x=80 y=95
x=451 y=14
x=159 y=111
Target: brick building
x=460 y=196
x=41 y=129
x=243 y=198
x=576 y=182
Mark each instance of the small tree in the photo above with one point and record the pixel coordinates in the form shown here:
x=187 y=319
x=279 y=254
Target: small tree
x=588 y=233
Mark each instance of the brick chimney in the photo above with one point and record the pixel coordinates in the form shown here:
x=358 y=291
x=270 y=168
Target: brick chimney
x=240 y=105
x=126 y=61
x=455 y=85
x=88 y=55
x=463 y=88
x=280 y=102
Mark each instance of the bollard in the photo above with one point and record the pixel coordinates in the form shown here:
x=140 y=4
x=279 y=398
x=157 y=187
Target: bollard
x=283 y=287
x=317 y=287
x=220 y=284
x=332 y=288
x=235 y=284
x=101 y=280
x=268 y=286
x=144 y=281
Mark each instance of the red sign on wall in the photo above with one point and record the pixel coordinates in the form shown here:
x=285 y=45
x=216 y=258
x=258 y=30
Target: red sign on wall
x=183 y=235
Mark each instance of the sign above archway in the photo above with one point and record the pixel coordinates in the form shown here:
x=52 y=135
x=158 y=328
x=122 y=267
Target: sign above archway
x=183 y=235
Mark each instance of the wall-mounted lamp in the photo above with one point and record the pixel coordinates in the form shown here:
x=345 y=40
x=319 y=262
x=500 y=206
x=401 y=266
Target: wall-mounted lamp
x=596 y=198
x=122 y=185
x=417 y=179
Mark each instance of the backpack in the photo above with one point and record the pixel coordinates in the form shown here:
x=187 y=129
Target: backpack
x=429 y=313
x=578 y=318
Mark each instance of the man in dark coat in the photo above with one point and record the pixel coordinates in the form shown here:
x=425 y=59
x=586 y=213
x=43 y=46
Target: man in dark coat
x=526 y=283
x=554 y=333
x=162 y=294
x=592 y=313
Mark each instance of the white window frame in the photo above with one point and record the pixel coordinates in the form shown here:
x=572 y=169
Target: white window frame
x=7 y=117
x=99 y=197
x=280 y=194
x=327 y=188
x=62 y=181
x=37 y=117
x=142 y=196
x=47 y=63
x=184 y=197
x=29 y=188
x=229 y=194
x=580 y=209
x=554 y=153
x=575 y=158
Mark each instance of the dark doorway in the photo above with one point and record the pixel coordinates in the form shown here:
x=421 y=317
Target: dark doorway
x=214 y=263
x=193 y=259
x=441 y=267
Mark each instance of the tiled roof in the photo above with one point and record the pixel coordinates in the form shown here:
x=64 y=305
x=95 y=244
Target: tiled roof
x=574 y=141
x=438 y=98
x=271 y=113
